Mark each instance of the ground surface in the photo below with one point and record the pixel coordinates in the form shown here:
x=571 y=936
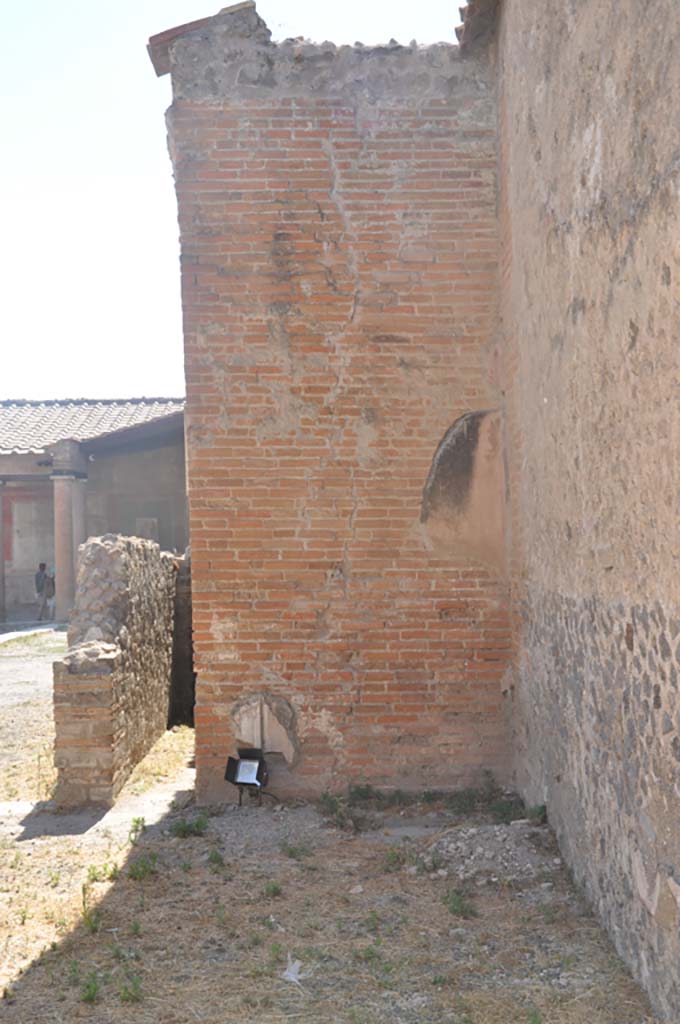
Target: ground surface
x=433 y=913
x=26 y=725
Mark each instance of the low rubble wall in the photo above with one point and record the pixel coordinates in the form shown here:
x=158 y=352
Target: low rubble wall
x=112 y=689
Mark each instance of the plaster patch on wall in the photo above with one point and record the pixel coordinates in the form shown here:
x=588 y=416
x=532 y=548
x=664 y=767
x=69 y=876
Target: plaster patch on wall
x=268 y=722
x=322 y=722
x=463 y=497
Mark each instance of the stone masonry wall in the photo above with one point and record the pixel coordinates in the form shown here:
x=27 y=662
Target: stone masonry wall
x=590 y=166
x=339 y=270
x=112 y=689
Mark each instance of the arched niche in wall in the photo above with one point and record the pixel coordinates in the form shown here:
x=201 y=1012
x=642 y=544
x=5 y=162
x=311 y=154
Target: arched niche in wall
x=462 y=509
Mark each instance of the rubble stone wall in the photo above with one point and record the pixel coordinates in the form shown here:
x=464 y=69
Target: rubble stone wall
x=590 y=219
x=337 y=209
x=112 y=689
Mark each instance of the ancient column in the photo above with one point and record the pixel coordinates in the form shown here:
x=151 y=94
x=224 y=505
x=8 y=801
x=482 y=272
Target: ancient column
x=3 y=605
x=79 y=527
x=68 y=470
x=63 y=545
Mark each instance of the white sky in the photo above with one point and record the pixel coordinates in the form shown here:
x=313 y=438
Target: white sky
x=89 y=257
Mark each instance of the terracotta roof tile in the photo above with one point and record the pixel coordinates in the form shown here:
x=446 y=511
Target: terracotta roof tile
x=30 y=427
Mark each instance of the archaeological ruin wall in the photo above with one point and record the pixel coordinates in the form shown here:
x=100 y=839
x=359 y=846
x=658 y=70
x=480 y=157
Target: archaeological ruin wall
x=337 y=209
x=112 y=689
x=591 y=317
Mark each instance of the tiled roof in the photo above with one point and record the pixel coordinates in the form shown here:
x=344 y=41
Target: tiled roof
x=478 y=19
x=30 y=427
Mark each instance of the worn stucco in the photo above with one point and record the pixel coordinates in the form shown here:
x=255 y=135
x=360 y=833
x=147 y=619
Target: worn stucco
x=590 y=164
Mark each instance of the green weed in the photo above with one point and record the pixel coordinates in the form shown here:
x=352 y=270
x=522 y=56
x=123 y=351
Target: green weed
x=367 y=954
x=394 y=859
x=507 y=809
x=339 y=813
x=372 y=922
x=296 y=851
x=136 y=828
x=538 y=814
x=358 y=794
x=459 y=905
x=143 y=867
x=465 y=801
x=125 y=955
x=440 y=980
x=131 y=991
x=272 y=890
x=92 y=918
x=182 y=828
x=89 y=993
x=106 y=873
x=215 y=860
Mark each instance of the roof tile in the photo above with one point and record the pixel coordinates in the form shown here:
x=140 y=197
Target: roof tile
x=30 y=427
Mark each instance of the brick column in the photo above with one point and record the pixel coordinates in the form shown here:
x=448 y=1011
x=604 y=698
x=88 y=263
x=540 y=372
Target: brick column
x=63 y=545
x=3 y=607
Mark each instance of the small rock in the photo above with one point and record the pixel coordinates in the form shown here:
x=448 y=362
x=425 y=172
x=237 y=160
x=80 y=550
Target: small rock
x=356 y=890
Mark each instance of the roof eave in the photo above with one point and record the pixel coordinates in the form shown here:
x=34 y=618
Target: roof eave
x=168 y=427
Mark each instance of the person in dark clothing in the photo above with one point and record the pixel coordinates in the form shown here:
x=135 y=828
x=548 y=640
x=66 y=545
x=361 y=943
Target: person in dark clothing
x=40 y=590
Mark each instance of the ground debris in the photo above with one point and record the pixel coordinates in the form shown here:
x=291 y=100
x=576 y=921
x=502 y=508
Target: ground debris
x=515 y=853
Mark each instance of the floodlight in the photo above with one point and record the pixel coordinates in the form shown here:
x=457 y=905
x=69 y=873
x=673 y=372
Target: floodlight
x=247 y=771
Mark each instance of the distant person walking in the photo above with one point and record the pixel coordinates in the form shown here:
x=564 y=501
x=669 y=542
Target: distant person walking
x=41 y=590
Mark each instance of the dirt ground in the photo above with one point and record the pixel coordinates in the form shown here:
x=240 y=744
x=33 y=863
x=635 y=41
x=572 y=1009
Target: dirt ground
x=436 y=911
x=26 y=724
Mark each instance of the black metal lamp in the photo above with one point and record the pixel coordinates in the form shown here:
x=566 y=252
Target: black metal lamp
x=247 y=771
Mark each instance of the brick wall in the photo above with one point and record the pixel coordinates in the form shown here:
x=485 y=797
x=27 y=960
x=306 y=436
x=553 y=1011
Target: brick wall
x=339 y=269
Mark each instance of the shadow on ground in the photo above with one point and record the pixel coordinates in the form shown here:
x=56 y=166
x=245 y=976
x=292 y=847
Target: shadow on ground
x=277 y=914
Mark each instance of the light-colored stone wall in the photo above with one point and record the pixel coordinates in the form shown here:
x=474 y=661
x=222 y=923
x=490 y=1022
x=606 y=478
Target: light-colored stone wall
x=112 y=689
x=590 y=165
